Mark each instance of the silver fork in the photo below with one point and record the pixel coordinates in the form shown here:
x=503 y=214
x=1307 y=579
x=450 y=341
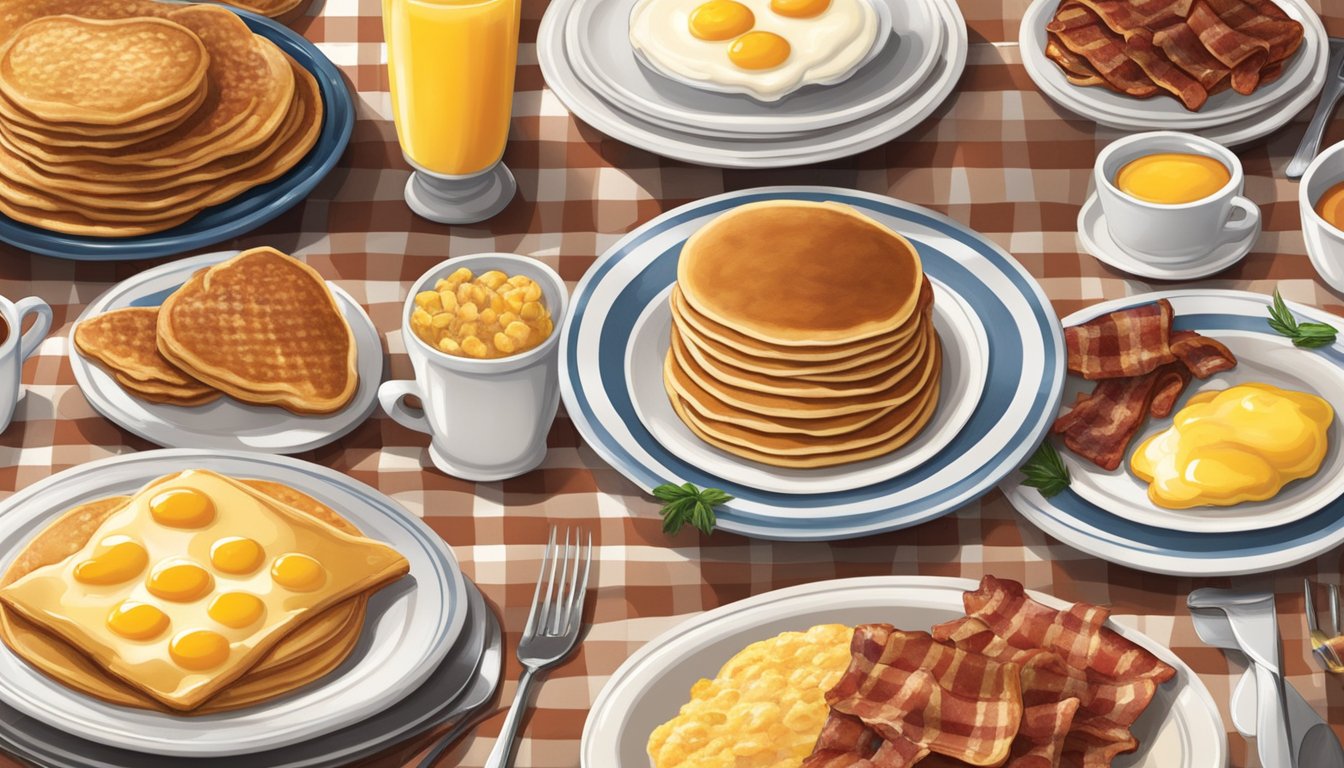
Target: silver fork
x=551 y=632
x=1320 y=646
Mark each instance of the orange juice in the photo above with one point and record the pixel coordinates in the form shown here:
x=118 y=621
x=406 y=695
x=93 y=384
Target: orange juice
x=450 y=64
x=1331 y=206
x=1172 y=178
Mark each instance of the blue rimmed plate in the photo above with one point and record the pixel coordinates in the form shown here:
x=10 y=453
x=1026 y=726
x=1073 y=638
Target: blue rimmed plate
x=243 y=213
x=1003 y=378
x=1107 y=514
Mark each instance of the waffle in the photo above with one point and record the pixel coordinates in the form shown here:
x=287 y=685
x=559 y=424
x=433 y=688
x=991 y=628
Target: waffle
x=125 y=342
x=264 y=328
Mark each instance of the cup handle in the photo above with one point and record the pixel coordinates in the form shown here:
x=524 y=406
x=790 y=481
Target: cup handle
x=41 y=324
x=392 y=397
x=1238 y=228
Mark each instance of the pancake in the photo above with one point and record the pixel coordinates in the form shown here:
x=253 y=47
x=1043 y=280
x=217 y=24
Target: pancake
x=101 y=71
x=892 y=424
x=168 y=394
x=773 y=405
x=778 y=271
x=125 y=341
x=65 y=134
x=816 y=460
x=310 y=651
x=800 y=353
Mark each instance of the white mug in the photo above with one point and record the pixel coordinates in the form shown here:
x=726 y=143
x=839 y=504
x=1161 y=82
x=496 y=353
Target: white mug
x=1324 y=241
x=16 y=347
x=487 y=419
x=1170 y=234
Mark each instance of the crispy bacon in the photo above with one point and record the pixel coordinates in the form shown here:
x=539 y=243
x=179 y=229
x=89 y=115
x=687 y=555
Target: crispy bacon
x=1202 y=355
x=1075 y=67
x=1282 y=35
x=1139 y=47
x=1180 y=44
x=1128 y=342
x=1172 y=379
x=1082 y=32
x=1101 y=427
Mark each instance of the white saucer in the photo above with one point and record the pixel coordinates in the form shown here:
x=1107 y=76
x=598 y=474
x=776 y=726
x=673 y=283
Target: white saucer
x=1097 y=241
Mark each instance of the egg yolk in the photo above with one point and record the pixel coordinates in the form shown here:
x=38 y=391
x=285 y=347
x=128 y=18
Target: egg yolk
x=236 y=609
x=179 y=581
x=237 y=555
x=116 y=559
x=800 y=9
x=182 y=508
x=137 y=621
x=199 y=649
x=721 y=20
x=297 y=572
x=759 y=50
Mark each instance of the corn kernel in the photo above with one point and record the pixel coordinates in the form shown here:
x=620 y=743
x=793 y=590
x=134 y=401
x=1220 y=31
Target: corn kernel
x=448 y=300
x=530 y=311
x=474 y=347
x=519 y=280
x=493 y=279
x=477 y=294
x=441 y=321
x=497 y=303
x=463 y=293
x=421 y=318
x=467 y=329
x=459 y=276
x=428 y=301
x=450 y=346
x=519 y=332
x=468 y=311
x=506 y=319
x=532 y=293
x=503 y=343
x=515 y=301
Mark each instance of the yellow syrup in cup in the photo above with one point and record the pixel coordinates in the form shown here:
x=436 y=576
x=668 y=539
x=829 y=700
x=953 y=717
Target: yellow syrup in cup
x=450 y=65
x=1172 y=178
x=1331 y=206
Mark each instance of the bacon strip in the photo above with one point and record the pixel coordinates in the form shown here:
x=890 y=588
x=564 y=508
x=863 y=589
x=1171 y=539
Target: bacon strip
x=1180 y=44
x=1101 y=427
x=1075 y=67
x=1128 y=342
x=1172 y=379
x=1082 y=32
x=1202 y=355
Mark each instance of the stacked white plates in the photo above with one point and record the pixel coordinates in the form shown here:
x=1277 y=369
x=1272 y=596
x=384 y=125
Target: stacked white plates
x=585 y=54
x=1228 y=117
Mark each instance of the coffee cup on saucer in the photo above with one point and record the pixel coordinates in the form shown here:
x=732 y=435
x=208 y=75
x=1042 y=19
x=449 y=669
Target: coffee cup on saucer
x=16 y=346
x=1172 y=198
x=487 y=417
x=1321 y=202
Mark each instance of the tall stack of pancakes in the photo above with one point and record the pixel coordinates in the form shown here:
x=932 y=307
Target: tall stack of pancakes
x=802 y=336
x=127 y=117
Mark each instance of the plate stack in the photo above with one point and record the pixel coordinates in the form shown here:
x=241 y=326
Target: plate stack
x=587 y=58
x=1227 y=117
x=132 y=117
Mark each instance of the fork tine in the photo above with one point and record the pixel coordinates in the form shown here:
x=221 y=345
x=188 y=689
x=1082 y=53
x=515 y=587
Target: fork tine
x=1310 y=607
x=572 y=579
x=1334 y=608
x=544 y=620
x=558 y=615
x=582 y=591
x=531 y=626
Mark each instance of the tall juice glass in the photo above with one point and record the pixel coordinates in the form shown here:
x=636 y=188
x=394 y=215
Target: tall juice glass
x=451 y=66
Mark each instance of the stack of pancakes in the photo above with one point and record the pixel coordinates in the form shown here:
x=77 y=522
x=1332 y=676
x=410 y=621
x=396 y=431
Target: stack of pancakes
x=127 y=117
x=802 y=336
x=262 y=327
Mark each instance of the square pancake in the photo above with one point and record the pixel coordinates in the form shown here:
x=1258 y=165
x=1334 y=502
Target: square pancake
x=312 y=650
x=195 y=580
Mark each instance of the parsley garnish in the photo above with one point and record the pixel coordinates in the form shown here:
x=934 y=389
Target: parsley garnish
x=1045 y=471
x=687 y=504
x=1306 y=335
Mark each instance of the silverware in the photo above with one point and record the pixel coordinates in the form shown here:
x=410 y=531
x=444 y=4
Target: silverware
x=1320 y=641
x=552 y=630
x=470 y=707
x=1325 y=108
x=1255 y=626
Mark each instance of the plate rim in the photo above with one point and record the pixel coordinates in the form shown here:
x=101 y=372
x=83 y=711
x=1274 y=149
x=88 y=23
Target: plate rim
x=433 y=547
x=338 y=108
x=728 y=612
x=1012 y=455
x=353 y=413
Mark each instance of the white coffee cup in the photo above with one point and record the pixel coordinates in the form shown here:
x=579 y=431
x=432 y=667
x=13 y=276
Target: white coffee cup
x=17 y=347
x=1170 y=234
x=487 y=419
x=1324 y=241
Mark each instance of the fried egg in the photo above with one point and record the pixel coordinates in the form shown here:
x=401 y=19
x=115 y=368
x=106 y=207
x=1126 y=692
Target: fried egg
x=765 y=48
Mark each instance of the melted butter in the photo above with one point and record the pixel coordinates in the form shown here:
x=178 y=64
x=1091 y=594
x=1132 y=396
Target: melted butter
x=237 y=555
x=180 y=581
x=1244 y=443
x=137 y=621
x=182 y=508
x=199 y=649
x=117 y=559
x=298 y=572
x=1172 y=178
x=237 y=609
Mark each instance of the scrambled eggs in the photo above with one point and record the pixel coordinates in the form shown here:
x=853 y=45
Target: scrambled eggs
x=1244 y=443
x=764 y=709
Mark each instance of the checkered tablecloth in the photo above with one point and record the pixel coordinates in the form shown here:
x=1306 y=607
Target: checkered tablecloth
x=997 y=156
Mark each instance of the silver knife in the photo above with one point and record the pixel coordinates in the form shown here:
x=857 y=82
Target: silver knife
x=1325 y=107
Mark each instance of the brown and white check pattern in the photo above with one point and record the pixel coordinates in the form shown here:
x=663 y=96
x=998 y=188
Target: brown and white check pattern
x=997 y=156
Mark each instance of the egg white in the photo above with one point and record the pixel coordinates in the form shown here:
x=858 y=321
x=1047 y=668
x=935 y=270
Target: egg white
x=824 y=49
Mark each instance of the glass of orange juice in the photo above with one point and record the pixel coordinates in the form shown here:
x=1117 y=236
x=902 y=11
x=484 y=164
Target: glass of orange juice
x=451 y=65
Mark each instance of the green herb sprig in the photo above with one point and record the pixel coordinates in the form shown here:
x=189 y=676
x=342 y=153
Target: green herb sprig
x=1306 y=335
x=1045 y=471
x=685 y=503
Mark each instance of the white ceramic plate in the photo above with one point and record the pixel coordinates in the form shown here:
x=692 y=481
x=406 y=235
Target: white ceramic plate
x=1097 y=241
x=616 y=72
x=226 y=423
x=965 y=360
x=1231 y=546
x=1180 y=729
x=410 y=626
x=610 y=380
x=739 y=151
x=1162 y=112
x=1234 y=130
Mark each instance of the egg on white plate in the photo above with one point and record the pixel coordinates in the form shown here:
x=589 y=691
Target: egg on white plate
x=764 y=48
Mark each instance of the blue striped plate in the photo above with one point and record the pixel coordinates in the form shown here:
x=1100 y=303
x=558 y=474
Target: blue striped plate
x=1074 y=520
x=1016 y=386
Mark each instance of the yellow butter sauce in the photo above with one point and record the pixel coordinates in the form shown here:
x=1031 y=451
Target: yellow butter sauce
x=1331 y=206
x=1172 y=178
